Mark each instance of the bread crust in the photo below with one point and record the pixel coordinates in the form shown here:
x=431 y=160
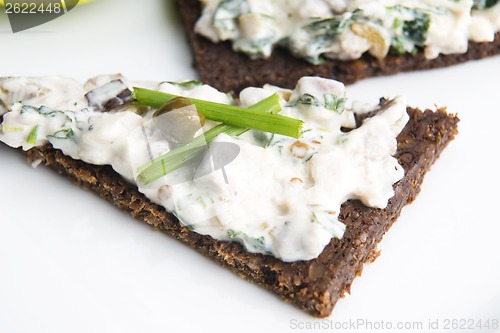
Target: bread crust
x=226 y=70
x=314 y=285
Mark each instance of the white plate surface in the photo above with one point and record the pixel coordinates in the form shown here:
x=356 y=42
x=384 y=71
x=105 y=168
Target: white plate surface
x=70 y=262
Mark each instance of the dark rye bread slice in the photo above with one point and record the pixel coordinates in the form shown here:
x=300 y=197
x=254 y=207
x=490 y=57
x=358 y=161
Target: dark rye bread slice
x=226 y=70
x=314 y=285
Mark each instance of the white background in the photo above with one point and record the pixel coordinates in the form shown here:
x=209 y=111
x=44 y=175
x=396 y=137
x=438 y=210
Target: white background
x=70 y=262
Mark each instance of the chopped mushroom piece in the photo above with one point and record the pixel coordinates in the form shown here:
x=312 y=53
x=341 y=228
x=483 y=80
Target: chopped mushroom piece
x=109 y=96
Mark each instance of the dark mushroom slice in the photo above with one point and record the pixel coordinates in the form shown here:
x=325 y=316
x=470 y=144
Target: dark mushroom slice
x=109 y=96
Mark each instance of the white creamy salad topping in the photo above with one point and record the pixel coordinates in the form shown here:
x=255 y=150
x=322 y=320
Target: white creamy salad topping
x=346 y=29
x=275 y=194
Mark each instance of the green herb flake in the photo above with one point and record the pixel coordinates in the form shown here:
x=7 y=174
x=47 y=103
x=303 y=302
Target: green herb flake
x=309 y=99
x=64 y=134
x=186 y=84
x=258 y=242
x=484 y=4
x=202 y=202
x=232 y=233
x=322 y=32
x=305 y=99
x=342 y=139
x=314 y=218
x=416 y=30
x=329 y=27
x=33 y=135
x=335 y=103
x=410 y=33
x=6 y=128
x=26 y=108
x=261 y=240
x=226 y=14
x=310 y=156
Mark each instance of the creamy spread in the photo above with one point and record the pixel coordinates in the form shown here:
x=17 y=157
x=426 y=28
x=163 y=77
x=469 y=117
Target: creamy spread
x=275 y=194
x=346 y=29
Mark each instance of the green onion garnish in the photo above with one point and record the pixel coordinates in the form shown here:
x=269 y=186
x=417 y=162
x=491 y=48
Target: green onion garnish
x=178 y=157
x=6 y=128
x=260 y=118
x=32 y=136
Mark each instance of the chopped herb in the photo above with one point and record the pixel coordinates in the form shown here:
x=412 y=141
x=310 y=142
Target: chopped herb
x=342 y=139
x=323 y=32
x=310 y=156
x=46 y=111
x=398 y=46
x=335 y=103
x=63 y=134
x=416 y=29
x=226 y=14
x=408 y=34
x=228 y=9
x=6 y=128
x=259 y=242
x=263 y=138
x=484 y=4
x=327 y=27
x=231 y=233
x=259 y=47
x=28 y=108
x=33 y=135
x=314 y=218
x=274 y=142
x=330 y=223
x=305 y=99
x=186 y=84
x=308 y=99
x=49 y=112
x=202 y=202
x=331 y=102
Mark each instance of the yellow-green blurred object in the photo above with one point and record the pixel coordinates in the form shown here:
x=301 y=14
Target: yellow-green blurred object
x=81 y=1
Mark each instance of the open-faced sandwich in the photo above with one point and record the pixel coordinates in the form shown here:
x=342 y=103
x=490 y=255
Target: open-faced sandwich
x=290 y=189
x=346 y=40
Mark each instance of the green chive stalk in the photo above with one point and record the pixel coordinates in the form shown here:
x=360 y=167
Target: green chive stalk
x=259 y=118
